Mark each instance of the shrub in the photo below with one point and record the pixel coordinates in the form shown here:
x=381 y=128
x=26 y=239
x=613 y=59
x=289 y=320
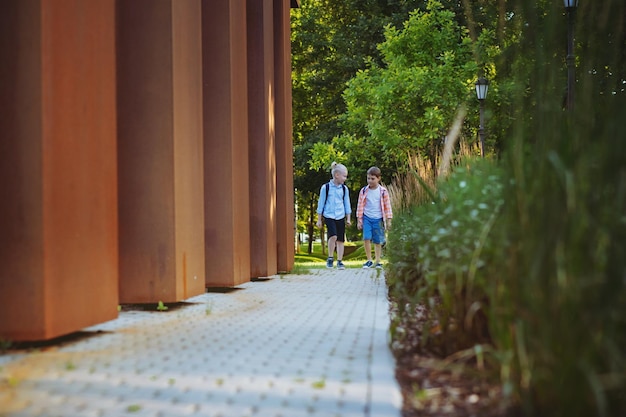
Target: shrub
x=438 y=252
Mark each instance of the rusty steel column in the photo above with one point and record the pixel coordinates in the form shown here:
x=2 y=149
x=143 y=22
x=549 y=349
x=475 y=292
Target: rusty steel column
x=225 y=92
x=161 y=184
x=262 y=114
x=58 y=173
x=285 y=215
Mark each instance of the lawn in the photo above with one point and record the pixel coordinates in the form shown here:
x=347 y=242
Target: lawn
x=354 y=257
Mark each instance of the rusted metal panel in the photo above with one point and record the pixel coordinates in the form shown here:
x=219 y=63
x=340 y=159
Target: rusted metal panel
x=188 y=149
x=285 y=212
x=160 y=143
x=226 y=180
x=262 y=115
x=59 y=258
x=180 y=170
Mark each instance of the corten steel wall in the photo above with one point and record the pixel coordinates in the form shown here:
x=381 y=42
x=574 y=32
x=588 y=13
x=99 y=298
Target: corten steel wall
x=160 y=150
x=261 y=116
x=58 y=185
x=227 y=213
x=285 y=214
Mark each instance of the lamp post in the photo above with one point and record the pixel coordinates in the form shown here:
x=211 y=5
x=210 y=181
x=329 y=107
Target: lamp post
x=482 y=85
x=570 y=8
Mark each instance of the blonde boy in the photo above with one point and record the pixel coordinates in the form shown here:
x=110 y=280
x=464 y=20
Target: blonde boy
x=334 y=208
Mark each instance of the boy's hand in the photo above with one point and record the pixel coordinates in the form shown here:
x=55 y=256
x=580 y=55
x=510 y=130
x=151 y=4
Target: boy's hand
x=319 y=224
x=359 y=224
x=348 y=222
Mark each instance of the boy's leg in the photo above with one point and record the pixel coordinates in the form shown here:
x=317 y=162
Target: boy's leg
x=332 y=241
x=367 y=237
x=340 y=247
x=341 y=236
x=378 y=238
x=367 y=245
x=331 y=227
x=377 y=252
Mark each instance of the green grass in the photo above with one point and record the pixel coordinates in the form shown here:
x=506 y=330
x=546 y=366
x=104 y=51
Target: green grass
x=317 y=260
x=321 y=264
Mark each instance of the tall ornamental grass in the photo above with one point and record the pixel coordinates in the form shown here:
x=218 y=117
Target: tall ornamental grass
x=558 y=288
x=535 y=243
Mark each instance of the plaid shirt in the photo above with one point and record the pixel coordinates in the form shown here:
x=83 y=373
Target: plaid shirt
x=385 y=204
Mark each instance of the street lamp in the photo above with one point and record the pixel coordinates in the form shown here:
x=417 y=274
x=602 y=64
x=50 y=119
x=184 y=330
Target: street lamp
x=482 y=85
x=570 y=7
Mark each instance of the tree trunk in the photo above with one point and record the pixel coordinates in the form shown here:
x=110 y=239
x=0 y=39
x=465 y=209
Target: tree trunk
x=433 y=157
x=311 y=227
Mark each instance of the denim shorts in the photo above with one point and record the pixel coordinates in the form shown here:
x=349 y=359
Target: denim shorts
x=373 y=230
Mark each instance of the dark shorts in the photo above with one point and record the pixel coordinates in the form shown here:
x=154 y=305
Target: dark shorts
x=336 y=228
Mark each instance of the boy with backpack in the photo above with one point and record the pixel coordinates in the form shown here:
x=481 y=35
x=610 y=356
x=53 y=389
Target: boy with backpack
x=373 y=213
x=334 y=207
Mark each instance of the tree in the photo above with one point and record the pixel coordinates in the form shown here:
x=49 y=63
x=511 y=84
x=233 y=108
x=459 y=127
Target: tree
x=334 y=42
x=331 y=41
x=406 y=104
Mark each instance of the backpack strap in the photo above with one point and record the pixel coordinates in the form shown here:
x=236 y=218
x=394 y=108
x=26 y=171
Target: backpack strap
x=326 y=196
x=344 y=188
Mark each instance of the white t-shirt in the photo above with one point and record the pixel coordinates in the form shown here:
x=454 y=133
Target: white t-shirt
x=372 y=204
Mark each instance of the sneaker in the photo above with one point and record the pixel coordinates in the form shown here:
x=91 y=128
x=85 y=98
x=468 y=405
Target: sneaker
x=329 y=263
x=340 y=265
x=379 y=265
x=368 y=264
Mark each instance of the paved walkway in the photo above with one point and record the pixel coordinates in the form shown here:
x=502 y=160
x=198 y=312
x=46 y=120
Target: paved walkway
x=290 y=346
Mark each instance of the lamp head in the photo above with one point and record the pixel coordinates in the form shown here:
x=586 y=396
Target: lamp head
x=482 y=85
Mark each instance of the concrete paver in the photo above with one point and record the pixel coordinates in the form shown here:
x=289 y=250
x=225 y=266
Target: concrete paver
x=290 y=346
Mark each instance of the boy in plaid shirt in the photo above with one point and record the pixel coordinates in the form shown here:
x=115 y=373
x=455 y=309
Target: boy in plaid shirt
x=373 y=215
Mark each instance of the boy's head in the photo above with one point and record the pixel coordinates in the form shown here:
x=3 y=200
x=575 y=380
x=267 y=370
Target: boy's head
x=373 y=177
x=375 y=171
x=339 y=172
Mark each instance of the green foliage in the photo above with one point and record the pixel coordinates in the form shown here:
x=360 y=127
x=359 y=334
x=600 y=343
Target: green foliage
x=208 y=308
x=548 y=264
x=331 y=41
x=560 y=296
x=323 y=155
x=438 y=253
x=320 y=384
x=406 y=105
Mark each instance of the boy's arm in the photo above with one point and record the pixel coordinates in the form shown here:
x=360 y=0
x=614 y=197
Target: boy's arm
x=360 y=206
x=320 y=208
x=387 y=212
x=346 y=204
